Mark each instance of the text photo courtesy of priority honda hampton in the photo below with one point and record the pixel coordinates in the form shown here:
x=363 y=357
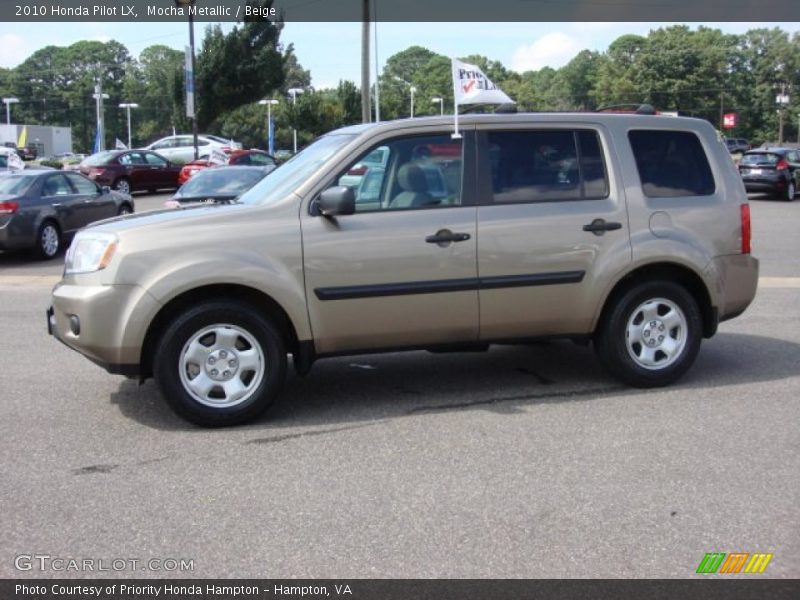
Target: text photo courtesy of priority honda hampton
x=629 y=231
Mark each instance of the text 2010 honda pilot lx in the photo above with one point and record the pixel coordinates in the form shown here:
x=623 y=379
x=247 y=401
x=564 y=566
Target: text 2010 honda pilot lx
x=627 y=230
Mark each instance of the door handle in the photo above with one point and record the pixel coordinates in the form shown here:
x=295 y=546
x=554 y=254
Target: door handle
x=600 y=226
x=444 y=237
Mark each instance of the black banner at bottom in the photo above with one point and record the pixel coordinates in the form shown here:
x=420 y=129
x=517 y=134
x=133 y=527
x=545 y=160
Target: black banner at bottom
x=397 y=589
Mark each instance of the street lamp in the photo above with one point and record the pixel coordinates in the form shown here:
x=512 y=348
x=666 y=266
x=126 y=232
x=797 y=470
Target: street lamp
x=440 y=100
x=8 y=102
x=190 y=79
x=128 y=106
x=411 y=89
x=293 y=93
x=100 y=135
x=270 y=140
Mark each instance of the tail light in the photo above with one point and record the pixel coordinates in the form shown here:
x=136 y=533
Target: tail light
x=95 y=172
x=8 y=207
x=746 y=228
x=358 y=170
x=782 y=165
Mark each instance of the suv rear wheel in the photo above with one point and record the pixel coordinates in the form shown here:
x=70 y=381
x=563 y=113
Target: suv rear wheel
x=220 y=363
x=651 y=335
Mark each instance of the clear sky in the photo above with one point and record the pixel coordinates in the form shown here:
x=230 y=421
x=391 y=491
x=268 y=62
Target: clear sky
x=331 y=51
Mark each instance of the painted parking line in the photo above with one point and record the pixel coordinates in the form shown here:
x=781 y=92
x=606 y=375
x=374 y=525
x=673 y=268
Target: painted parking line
x=51 y=280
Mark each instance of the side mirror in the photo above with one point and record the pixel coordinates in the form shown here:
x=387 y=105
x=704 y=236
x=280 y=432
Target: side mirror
x=105 y=189
x=338 y=200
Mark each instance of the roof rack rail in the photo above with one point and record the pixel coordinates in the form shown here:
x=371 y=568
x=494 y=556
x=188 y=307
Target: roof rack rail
x=639 y=109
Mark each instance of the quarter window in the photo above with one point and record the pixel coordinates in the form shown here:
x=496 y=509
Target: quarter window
x=671 y=164
x=546 y=165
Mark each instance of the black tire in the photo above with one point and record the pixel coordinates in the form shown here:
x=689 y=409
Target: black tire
x=789 y=192
x=48 y=240
x=125 y=209
x=122 y=185
x=174 y=371
x=673 y=350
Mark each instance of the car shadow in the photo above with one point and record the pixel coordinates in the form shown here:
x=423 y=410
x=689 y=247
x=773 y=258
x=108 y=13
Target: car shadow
x=362 y=390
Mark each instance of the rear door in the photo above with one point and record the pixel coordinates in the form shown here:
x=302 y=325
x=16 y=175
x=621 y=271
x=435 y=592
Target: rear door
x=552 y=229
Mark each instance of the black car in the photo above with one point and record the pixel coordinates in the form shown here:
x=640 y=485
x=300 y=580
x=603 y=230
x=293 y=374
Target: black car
x=775 y=171
x=40 y=209
x=219 y=184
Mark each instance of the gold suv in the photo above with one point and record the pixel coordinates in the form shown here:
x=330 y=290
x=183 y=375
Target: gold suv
x=629 y=231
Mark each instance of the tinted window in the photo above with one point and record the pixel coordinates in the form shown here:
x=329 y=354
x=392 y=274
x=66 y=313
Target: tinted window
x=82 y=185
x=56 y=185
x=671 y=163
x=154 y=160
x=416 y=172
x=100 y=158
x=760 y=158
x=536 y=166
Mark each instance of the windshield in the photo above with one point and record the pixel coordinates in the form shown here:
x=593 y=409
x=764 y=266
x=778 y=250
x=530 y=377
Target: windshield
x=760 y=159
x=15 y=184
x=227 y=181
x=100 y=158
x=291 y=175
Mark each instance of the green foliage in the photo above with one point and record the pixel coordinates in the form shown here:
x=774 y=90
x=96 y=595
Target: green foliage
x=51 y=163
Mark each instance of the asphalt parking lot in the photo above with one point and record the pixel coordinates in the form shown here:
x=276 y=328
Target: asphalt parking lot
x=525 y=461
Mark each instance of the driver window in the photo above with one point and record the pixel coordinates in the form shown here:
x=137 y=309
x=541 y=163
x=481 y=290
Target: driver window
x=407 y=173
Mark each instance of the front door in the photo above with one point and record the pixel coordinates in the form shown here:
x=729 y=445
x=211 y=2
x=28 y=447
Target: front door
x=552 y=228
x=401 y=271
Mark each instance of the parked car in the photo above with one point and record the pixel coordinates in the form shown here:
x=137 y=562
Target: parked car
x=737 y=145
x=632 y=232
x=40 y=209
x=376 y=158
x=131 y=170
x=235 y=157
x=180 y=148
x=219 y=184
x=775 y=171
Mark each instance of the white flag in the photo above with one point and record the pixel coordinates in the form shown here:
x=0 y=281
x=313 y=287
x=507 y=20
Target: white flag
x=217 y=157
x=471 y=86
x=120 y=145
x=15 y=162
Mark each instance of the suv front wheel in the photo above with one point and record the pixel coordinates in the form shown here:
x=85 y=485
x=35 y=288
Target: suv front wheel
x=220 y=363
x=650 y=336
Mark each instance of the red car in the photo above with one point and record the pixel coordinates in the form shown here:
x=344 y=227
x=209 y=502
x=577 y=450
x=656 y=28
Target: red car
x=131 y=170
x=255 y=158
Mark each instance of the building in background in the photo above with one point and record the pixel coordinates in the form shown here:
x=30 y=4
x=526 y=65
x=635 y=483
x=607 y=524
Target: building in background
x=48 y=141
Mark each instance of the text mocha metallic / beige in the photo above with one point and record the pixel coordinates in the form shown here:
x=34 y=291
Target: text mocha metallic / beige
x=630 y=231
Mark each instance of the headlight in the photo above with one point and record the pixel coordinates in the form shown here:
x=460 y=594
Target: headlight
x=90 y=251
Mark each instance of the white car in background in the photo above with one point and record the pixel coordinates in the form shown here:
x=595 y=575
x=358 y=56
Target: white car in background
x=180 y=148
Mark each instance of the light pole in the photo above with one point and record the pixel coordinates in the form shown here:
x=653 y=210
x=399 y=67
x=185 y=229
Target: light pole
x=128 y=106
x=270 y=140
x=190 y=79
x=440 y=100
x=411 y=89
x=293 y=92
x=8 y=102
x=100 y=136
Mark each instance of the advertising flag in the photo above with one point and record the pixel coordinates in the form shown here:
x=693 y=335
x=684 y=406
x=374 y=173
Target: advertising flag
x=471 y=86
x=120 y=145
x=217 y=157
x=97 y=138
x=22 y=141
x=15 y=162
x=271 y=137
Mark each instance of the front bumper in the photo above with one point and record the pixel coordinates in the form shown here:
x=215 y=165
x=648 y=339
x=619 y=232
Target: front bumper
x=105 y=323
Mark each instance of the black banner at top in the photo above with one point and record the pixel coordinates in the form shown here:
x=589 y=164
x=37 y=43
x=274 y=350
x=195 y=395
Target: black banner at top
x=478 y=11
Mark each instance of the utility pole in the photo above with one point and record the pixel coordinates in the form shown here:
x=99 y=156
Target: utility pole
x=721 y=111
x=99 y=96
x=783 y=100
x=377 y=74
x=365 y=108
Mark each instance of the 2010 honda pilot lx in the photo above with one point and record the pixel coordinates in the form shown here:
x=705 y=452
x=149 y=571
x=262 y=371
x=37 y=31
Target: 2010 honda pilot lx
x=627 y=230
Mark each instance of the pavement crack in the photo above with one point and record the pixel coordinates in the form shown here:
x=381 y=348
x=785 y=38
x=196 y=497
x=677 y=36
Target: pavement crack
x=91 y=469
x=555 y=396
x=293 y=436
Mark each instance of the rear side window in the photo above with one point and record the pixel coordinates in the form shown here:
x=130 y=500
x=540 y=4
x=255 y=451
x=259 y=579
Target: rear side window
x=546 y=165
x=671 y=163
